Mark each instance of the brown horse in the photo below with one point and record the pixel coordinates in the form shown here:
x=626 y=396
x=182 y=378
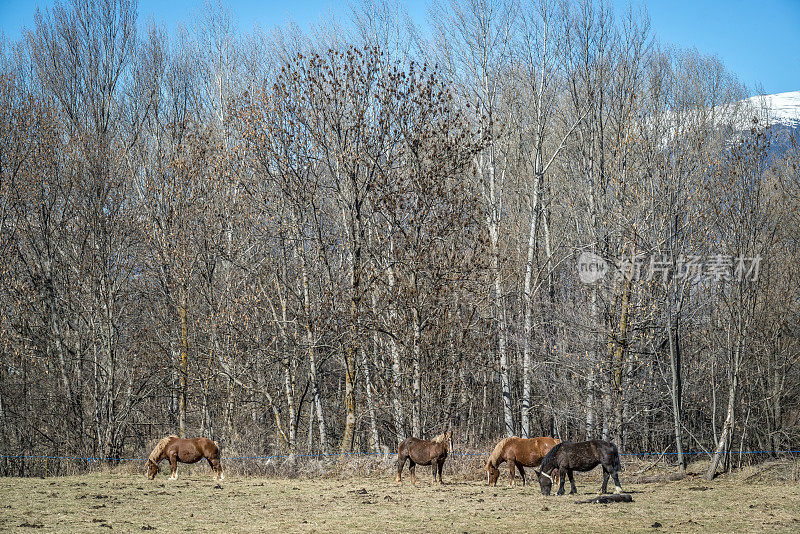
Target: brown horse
x=188 y=451
x=419 y=451
x=519 y=453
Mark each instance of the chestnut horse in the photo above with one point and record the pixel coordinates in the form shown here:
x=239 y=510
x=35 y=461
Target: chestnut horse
x=519 y=453
x=419 y=451
x=188 y=451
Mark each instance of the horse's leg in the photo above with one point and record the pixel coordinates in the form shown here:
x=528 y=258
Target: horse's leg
x=401 y=461
x=604 y=487
x=433 y=469
x=617 y=487
x=562 y=481
x=521 y=473
x=573 y=489
x=412 y=467
x=511 y=474
x=173 y=466
x=440 y=466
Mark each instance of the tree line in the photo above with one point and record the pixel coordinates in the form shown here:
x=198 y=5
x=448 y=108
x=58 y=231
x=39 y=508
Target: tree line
x=328 y=241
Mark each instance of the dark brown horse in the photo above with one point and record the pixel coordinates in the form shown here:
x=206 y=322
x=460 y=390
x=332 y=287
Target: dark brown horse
x=582 y=456
x=419 y=451
x=188 y=451
x=519 y=453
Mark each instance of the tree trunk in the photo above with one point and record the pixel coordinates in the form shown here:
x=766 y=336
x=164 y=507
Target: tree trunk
x=676 y=387
x=527 y=305
x=502 y=355
x=727 y=426
x=310 y=444
x=184 y=347
x=416 y=400
x=288 y=374
x=373 y=427
x=591 y=378
x=619 y=361
x=493 y=225
x=724 y=436
x=349 y=382
x=351 y=350
x=310 y=347
x=397 y=403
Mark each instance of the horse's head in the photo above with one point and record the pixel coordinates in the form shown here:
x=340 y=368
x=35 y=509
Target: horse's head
x=446 y=439
x=546 y=480
x=492 y=473
x=152 y=469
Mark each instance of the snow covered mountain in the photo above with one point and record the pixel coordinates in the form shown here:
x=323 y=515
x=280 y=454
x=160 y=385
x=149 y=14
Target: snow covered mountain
x=781 y=109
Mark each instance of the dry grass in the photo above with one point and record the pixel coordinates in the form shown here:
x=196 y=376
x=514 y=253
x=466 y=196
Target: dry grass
x=765 y=500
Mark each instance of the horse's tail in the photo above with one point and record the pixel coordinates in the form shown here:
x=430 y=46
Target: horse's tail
x=159 y=448
x=549 y=458
x=617 y=464
x=498 y=450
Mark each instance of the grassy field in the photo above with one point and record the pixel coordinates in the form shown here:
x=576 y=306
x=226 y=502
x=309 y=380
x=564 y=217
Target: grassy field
x=743 y=502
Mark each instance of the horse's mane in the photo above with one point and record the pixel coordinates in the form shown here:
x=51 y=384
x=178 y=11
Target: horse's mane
x=498 y=450
x=160 y=448
x=549 y=457
x=440 y=438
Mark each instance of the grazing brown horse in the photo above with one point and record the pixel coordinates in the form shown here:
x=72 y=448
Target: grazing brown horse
x=519 y=453
x=188 y=451
x=419 y=451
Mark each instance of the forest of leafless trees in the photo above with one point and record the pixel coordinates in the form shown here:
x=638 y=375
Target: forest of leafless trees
x=327 y=241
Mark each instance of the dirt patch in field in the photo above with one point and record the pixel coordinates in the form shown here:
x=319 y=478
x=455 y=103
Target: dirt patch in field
x=121 y=502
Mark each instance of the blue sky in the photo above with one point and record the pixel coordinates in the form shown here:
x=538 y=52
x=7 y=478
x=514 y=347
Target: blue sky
x=759 y=40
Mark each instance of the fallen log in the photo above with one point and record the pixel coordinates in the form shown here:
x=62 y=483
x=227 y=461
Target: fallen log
x=606 y=499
